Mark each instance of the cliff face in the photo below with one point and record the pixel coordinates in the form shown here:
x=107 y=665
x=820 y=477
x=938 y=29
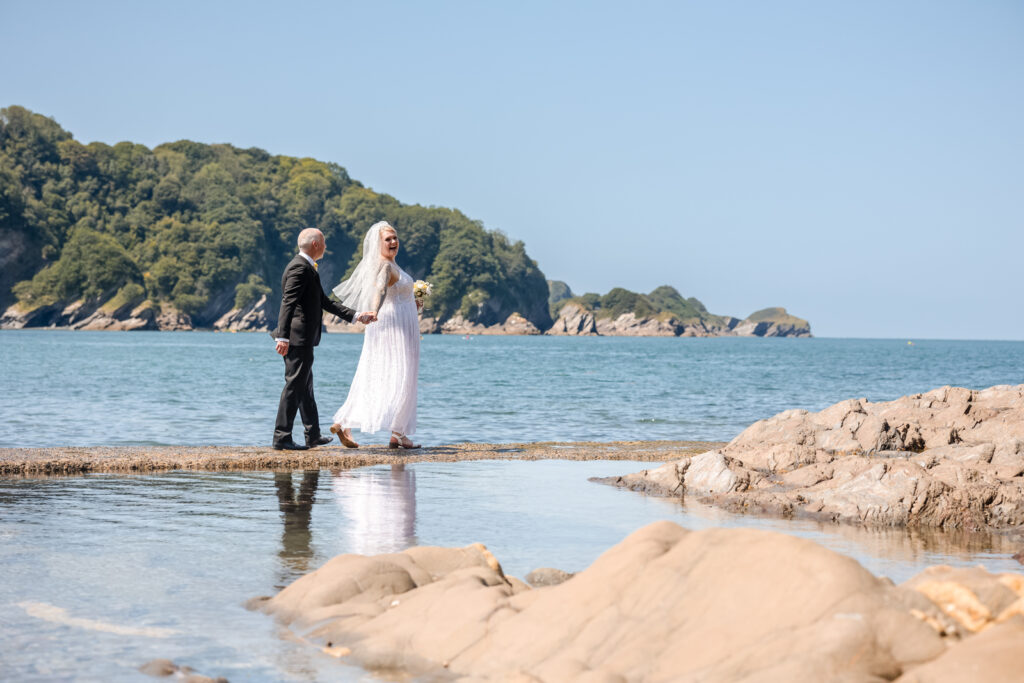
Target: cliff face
x=203 y=232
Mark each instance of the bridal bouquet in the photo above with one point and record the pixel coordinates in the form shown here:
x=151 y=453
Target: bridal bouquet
x=422 y=289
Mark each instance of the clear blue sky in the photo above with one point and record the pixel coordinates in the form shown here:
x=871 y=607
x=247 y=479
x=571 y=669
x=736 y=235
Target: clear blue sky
x=861 y=163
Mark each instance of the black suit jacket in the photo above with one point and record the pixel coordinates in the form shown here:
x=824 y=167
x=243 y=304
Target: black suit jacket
x=303 y=303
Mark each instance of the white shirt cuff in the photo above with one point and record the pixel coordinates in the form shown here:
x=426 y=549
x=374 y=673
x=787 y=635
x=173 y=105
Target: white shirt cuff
x=277 y=339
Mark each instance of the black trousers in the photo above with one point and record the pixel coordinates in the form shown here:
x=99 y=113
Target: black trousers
x=297 y=395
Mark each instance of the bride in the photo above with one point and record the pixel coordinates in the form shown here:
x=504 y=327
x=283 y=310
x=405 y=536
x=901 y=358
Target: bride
x=383 y=391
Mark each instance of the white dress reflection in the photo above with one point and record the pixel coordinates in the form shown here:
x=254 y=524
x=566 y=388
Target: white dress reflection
x=379 y=506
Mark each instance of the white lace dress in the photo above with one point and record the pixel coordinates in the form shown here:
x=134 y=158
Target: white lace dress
x=383 y=391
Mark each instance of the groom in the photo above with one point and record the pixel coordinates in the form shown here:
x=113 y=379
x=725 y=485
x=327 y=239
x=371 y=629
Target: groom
x=298 y=330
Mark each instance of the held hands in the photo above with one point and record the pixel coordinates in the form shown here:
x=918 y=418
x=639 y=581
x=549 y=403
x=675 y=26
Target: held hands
x=367 y=318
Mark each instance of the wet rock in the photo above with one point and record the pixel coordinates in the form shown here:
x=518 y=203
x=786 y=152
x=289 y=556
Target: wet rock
x=664 y=604
x=547 y=576
x=949 y=458
x=159 y=667
x=162 y=668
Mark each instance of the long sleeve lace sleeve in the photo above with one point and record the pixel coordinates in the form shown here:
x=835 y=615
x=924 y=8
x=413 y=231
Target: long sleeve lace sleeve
x=381 y=285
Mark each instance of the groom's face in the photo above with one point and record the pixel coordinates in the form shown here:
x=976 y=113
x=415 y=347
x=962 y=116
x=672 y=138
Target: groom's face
x=318 y=248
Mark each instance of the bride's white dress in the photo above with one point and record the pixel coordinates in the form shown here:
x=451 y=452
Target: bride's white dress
x=383 y=391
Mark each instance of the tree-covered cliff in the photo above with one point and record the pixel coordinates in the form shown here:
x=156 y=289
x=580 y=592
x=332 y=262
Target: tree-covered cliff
x=204 y=229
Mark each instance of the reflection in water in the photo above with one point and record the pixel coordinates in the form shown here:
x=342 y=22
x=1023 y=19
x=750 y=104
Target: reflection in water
x=897 y=552
x=380 y=508
x=296 y=510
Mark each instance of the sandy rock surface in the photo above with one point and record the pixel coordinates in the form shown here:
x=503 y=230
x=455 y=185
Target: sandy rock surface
x=951 y=458
x=75 y=460
x=666 y=604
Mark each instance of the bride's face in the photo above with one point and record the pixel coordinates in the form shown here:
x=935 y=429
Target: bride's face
x=389 y=244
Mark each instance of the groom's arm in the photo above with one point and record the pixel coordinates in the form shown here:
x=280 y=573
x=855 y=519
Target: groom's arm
x=292 y=286
x=343 y=312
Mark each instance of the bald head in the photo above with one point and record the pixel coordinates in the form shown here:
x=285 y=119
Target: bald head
x=309 y=237
x=312 y=243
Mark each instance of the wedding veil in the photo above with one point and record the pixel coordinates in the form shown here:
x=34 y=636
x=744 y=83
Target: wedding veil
x=359 y=291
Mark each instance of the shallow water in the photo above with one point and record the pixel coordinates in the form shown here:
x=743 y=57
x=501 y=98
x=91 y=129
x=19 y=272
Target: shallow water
x=194 y=388
x=105 y=572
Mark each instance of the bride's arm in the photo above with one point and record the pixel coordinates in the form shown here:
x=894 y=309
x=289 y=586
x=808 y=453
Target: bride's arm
x=382 y=282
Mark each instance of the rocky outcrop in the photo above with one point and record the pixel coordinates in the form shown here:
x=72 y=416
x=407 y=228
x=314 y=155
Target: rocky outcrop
x=140 y=317
x=514 y=324
x=950 y=458
x=629 y=325
x=430 y=325
x=94 y=315
x=251 y=318
x=664 y=604
x=772 y=322
x=16 y=318
x=574 y=320
x=517 y=324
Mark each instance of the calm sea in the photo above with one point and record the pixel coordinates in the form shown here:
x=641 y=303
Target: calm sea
x=186 y=388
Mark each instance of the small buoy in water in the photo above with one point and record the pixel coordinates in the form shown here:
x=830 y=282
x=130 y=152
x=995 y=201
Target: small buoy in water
x=910 y=343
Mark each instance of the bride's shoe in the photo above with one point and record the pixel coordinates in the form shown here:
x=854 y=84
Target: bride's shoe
x=402 y=441
x=342 y=436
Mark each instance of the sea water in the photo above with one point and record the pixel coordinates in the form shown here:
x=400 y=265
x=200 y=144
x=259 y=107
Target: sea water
x=102 y=573
x=61 y=388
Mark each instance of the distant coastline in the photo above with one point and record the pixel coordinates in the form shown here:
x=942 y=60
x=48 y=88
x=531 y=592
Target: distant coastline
x=193 y=236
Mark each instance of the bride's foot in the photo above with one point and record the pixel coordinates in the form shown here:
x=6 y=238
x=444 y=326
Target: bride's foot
x=343 y=435
x=400 y=441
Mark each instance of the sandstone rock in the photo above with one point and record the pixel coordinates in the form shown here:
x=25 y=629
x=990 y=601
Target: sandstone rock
x=251 y=318
x=429 y=325
x=665 y=604
x=574 y=320
x=334 y=324
x=706 y=328
x=1019 y=557
x=629 y=325
x=517 y=324
x=995 y=656
x=948 y=458
x=124 y=318
x=547 y=576
x=514 y=324
x=162 y=668
x=459 y=325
